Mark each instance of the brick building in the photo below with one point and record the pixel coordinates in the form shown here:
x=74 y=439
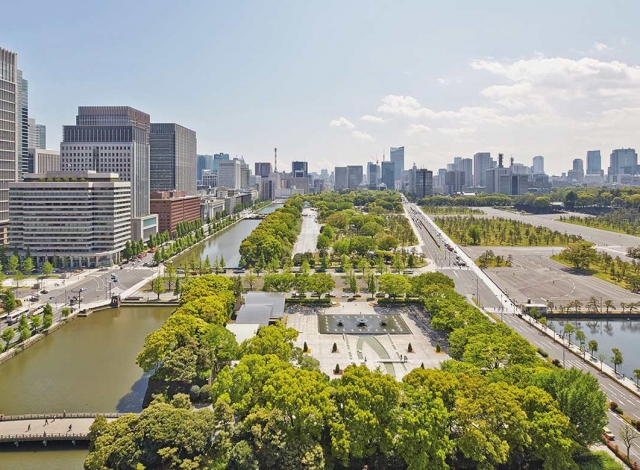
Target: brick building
x=174 y=207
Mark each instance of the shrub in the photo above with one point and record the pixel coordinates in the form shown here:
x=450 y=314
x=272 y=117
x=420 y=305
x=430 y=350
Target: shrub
x=334 y=348
x=556 y=363
x=410 y=348
x=543 y=353
x=205 y=393
x=438 y=348
x=337 y=369
x=194 y=393
x=305 y=348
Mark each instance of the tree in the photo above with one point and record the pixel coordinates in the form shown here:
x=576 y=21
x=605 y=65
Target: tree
x=177 y=290
x=322 y=283
x=7 y=336
x=394 y=284
x=47 y=316
x=36 y=322
x=24 y=330
x=13 y=263
x=608 y=304
x=580 y=254
x=158 y=286
x=474 y=233
x=66 y=311
x=616 y=359
x=323 y=242
x=170 y=274
x=602 y=357
x=250 y=279
x=569 y=329
x=27 y=266
x=47 y=269
x=18 y=277
x=157 y=257
x=636 y=374
x=9 y=301
x=627 y=436
x=593 y=346
x=581 y=338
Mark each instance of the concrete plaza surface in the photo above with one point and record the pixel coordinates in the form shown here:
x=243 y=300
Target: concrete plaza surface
x=309 y=232
x=388 y=352
x=43 y=428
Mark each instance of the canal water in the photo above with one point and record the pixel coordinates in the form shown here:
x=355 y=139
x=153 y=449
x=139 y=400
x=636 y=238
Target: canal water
x=621 y=334
x=225 y=244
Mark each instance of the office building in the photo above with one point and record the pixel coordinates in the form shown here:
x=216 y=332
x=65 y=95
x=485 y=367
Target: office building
x=174 y=207
x=424 y=183
x=81 y=217
x=341 y=179
x=578 y=164
x=623 y=161
x=9 y=144
x=481 y=163
x=594 y=162
x=538 y=165
x=466 y=165
x=22 y=126
x=229 y=174
x=204 y=162
x=43 y=161
x=263 y=169
x=373 y=175
x=503 y=180
x=454 y=182
x=355 y=176
x=389 y=174
x=209 y=179
x=397 y=157
x=299 y=169
x=217 y=158
x=114 y=139
x=173 y=158
x=37 y=135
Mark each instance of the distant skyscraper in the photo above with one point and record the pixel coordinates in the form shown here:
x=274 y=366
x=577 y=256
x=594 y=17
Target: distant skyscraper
x=623 y=161
x=578 y=164
x=23 y=125
x=114 y=139
x=263 y=169
x=299 y=169
x=424 y=183
x=9 y=144
x=466 y=165
x=594 y=162
x=354 y=176
x=454 y=182
x=341 y=179
x=481 y=163
x=373 y=174
x=538 y=165
x=457 y=163
x=205 y=162
x=219 y=157
x=37 y=135
x=397 y=157
x=388 y=174
x=229 y=174
x=173 y=155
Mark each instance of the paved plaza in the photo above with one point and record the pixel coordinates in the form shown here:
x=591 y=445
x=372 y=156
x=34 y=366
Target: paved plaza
x=386 y=351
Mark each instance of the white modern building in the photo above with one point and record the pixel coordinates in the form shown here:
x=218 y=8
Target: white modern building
x=481 y=163
x=43 y=160
x=9 y=141
x=37 y=135
x=396 y=155
x=229 y=174
x=82 y=218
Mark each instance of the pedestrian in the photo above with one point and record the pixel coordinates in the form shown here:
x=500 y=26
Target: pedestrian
x=46 y=421
x=64 y=413
x=29 y=427
x=69 y=428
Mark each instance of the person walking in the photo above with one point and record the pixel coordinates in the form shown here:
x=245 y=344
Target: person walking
x=29 y=427
x=46 y=421
x=69 y=428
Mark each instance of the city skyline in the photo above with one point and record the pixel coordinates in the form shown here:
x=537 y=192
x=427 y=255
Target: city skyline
x=509 y=92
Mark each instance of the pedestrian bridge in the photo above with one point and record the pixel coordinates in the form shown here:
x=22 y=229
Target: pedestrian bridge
x=70 y=427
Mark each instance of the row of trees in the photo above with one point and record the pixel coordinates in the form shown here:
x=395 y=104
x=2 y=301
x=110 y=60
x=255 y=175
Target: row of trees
x=500 y=231
x=482 y=200
x=25 y=326
x=372 y=202
x=619 y=220
x=495 y=404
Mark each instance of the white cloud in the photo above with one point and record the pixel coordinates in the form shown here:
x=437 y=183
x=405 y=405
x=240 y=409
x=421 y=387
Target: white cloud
x=408 y=106
x=449 y=81
x=375 y=119
x=600 y=46
x=363 y=136
x=456 y=131
x=416 y=129
x=341 y=122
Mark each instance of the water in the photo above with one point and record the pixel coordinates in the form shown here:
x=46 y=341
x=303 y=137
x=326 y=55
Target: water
x=226 y=243
x=88 y=365
x=620 y=334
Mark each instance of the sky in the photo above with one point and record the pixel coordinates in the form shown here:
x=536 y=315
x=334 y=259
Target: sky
x=338 y=82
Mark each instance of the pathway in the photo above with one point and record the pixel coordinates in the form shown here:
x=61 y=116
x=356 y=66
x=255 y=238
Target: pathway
x=50 y=427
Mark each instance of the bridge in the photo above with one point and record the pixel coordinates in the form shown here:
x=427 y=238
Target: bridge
x=70 y=427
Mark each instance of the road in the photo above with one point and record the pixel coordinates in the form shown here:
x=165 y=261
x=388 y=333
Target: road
x=471 y=280
x=308 y=237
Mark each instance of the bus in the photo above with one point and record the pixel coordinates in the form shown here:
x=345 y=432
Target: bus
x=14 y=317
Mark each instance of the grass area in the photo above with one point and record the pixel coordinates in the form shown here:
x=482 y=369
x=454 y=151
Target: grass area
x=493 y=263
x=498 y=231
x=599 y=460
x=600 y=226
x=594 y=270
x=451 y=210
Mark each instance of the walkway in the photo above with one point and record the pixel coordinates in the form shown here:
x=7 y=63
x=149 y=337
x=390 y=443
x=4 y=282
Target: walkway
x=49 y=427
x=380 y=350
x=309 y=232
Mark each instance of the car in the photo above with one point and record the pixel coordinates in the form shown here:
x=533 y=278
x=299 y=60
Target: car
x=339 y=269
x=321 y=270
x=606 y=432
x=140 y=256
x=44 y=291
x=152 y=250
x=358 y=295
x=238 y=271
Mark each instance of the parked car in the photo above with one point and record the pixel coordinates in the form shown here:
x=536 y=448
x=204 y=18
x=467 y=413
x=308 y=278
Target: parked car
x=44 y=291
x=606 y=432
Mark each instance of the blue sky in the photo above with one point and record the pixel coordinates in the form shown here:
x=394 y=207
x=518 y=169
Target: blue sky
x=445 y=78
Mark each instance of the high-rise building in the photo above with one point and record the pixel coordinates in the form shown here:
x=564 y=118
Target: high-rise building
x=43 y=161
x=245 y=175
x=209 y=179
x=174 y=207
x=229 y=174
x=263 y=169
x=594 y=162
x=457 y=163
x=538 y=165
x=173 y=155
x=578 y=164
x=505 y=180
x=114 y=139
x=23 y=125
x=424 y=183
x=341 y=178
x=82 y=217
x=373 y=174
x=466 y=165
x=481 y=163
x=354 y=176
x=37 y=135
x=205 y=162
x=9 y=141
x=389 y=174
x=623 y=161
x=396 y=155
x=299 y=169
x=217 y=158
x=454 y=182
